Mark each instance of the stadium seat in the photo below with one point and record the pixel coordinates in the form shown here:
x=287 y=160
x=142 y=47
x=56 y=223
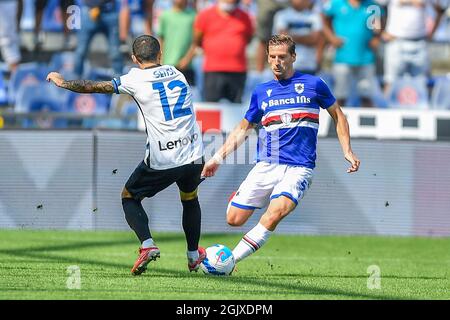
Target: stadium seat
x=32 y=97
x=99 y=74
x=44 y=98
x=26 y=74
x=119 y=102
x=121 y=106
x=128 y=110
x=409 y=93
x=64 y=63
x=377 y=95
x=378 y=98
x=88 y=105
x=440 y=97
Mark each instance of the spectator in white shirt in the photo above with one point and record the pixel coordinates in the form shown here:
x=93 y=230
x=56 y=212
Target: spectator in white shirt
x=406 y=38
x=304 y=26
x=9 y=37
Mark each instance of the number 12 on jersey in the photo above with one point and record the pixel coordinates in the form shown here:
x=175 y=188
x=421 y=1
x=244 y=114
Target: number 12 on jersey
x=178 y=110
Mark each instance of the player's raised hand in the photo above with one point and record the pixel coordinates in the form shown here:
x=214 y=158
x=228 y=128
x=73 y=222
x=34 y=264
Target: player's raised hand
x=350 y=157
x=210 y=168
x=56 y=78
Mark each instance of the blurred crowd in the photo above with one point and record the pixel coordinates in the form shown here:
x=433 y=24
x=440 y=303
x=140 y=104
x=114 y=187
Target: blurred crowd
x=372 y=53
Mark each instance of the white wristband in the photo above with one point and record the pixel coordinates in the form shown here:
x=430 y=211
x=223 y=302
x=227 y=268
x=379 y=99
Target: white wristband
x=217 y=158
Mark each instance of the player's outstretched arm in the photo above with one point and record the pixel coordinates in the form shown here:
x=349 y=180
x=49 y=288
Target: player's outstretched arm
x=343 y=133
x=80 y=86
x=236 y=138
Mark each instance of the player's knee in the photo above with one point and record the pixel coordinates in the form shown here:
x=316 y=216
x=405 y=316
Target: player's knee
x=236 y=217
x=234 y=221
x=126 y=194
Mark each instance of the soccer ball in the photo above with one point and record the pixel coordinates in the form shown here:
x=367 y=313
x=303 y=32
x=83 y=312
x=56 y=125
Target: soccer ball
x=219 y=261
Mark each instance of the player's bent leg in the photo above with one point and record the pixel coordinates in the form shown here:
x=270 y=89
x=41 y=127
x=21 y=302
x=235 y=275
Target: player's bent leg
x=237 y=216
x=135 y=215
x=278 y=209
x=138 y=221
x=254 y=239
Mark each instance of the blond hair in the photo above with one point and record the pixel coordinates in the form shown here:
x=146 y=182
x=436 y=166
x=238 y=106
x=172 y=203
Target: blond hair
x=281 y=39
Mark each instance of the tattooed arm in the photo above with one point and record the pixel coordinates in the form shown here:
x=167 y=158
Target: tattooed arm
x=81 y=86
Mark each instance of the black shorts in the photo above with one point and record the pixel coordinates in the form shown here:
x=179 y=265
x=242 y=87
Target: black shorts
x=145 y=182
x=189 y=75
x=228 y=85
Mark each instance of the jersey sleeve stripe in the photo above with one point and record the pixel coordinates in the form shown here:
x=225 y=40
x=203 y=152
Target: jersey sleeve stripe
x=116 y=83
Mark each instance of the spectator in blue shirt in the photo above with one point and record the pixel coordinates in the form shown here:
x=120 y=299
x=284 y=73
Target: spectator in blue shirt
x=347 y=27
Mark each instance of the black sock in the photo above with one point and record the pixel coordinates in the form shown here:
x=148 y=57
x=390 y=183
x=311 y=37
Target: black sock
x=192 y=223
x=137 y=218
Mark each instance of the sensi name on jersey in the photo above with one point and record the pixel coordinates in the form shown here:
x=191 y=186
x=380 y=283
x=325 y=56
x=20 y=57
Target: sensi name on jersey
x=163 y=72
x=178 y=143
x=292 y=100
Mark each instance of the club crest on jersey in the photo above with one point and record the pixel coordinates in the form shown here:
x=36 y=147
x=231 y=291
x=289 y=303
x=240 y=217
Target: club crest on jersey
x=286 y=118
x=299 y=87
x=264 y=106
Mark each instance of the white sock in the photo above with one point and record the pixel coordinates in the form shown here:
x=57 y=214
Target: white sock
x=148 y=243
x=192 y=255
x=252 y=241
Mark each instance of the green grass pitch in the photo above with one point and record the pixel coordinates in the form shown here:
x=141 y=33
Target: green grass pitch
x=33 y=265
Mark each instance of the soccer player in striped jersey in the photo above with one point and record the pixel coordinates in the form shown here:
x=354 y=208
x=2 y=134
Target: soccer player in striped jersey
x=174 y=149
x=288 y=110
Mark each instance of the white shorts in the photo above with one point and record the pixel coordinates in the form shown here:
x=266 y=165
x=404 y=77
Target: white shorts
x=269 y=181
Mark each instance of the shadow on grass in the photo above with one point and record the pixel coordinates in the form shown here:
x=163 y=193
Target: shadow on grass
x=163 y=238
x=273 y=287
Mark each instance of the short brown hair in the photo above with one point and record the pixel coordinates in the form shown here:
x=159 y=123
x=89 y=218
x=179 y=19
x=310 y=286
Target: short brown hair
x=281 y=39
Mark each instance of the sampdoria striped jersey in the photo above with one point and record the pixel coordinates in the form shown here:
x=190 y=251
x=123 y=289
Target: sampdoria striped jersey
x=288 y=111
